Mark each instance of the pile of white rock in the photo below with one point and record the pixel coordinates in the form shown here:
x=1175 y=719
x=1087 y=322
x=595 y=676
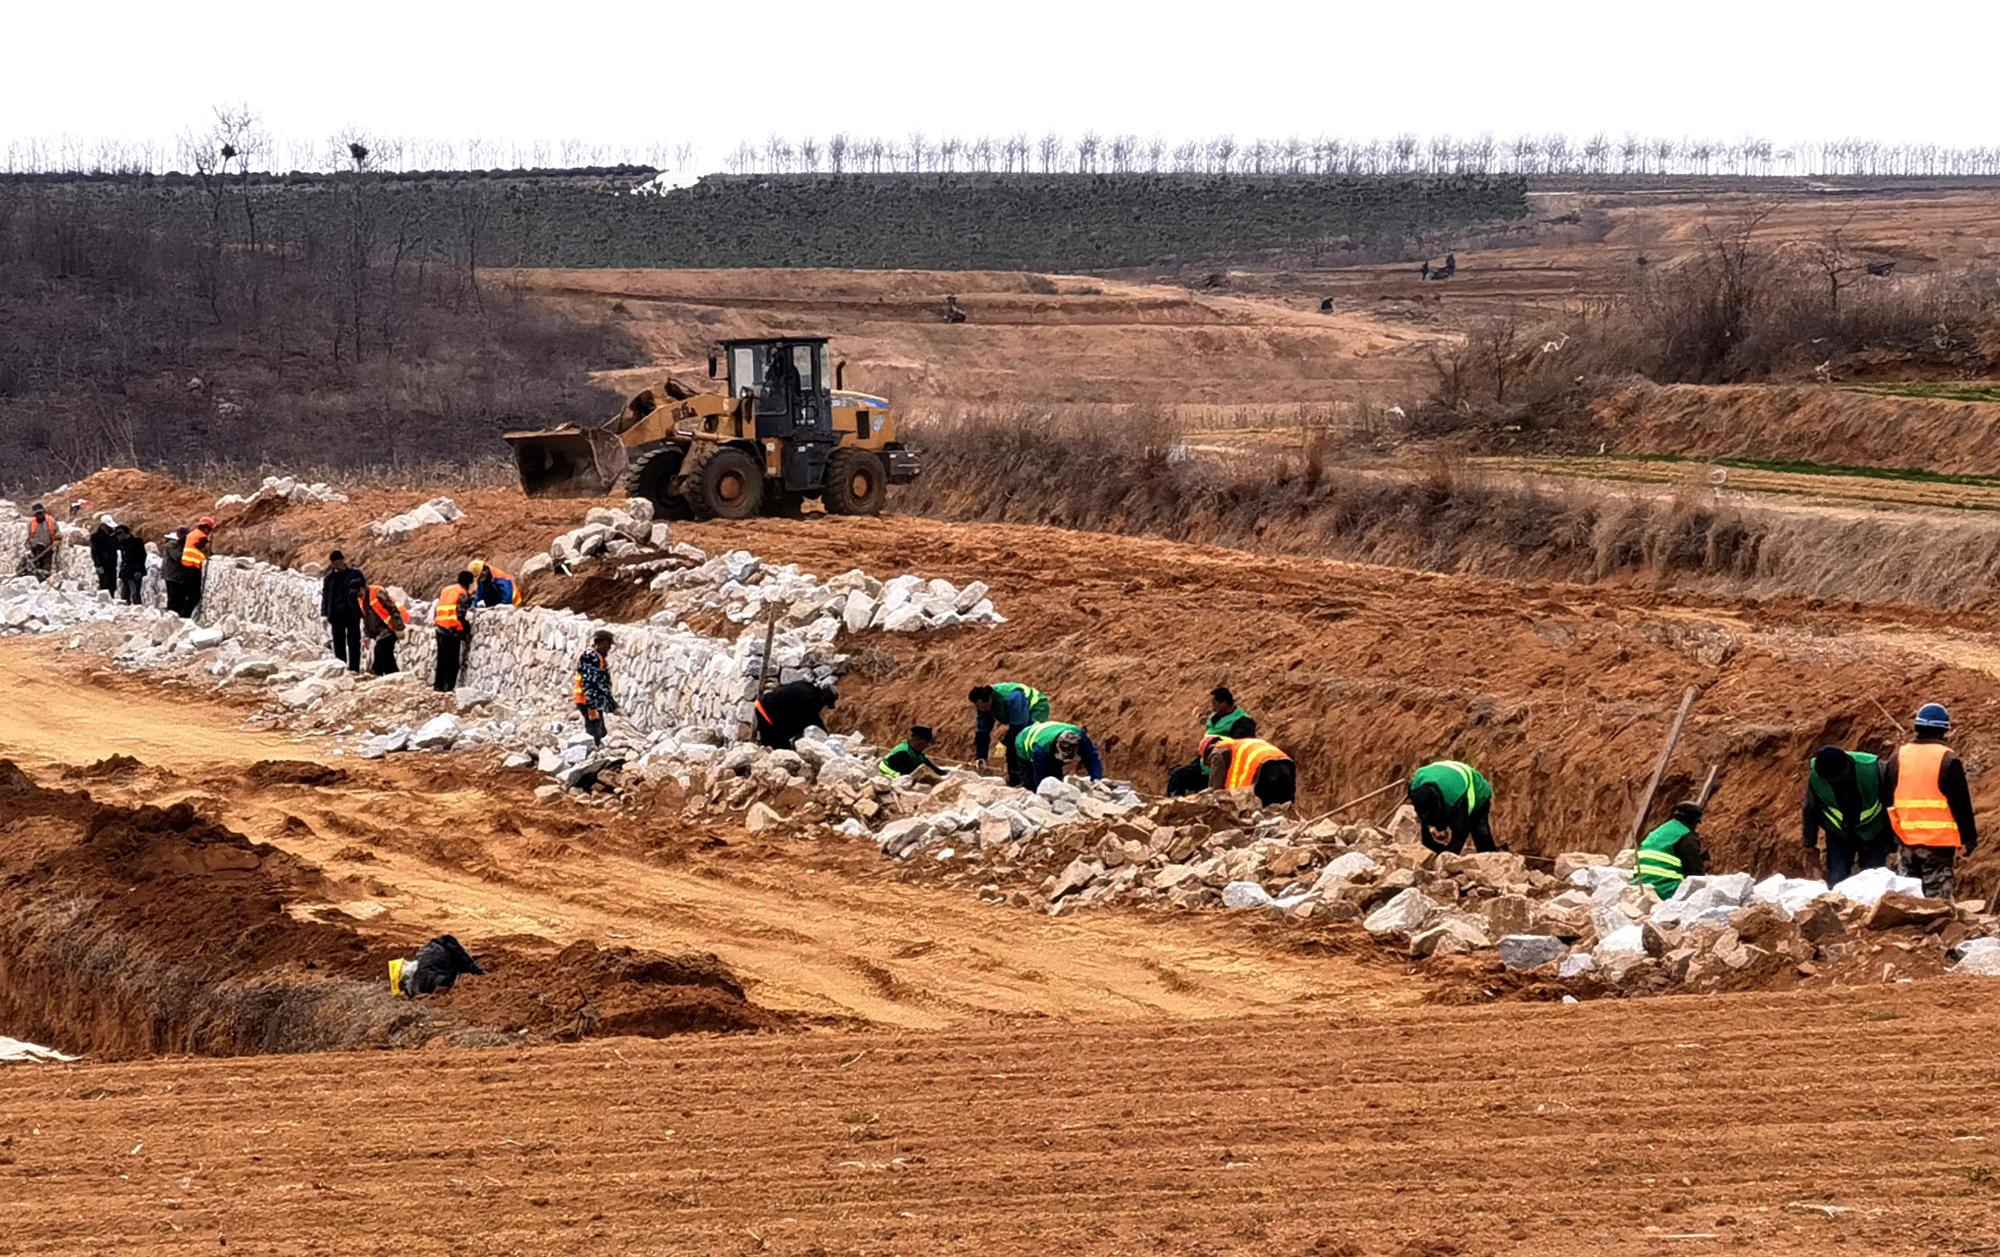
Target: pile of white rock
x=744 y=588
x=286 y=489
x=606 y=532
x=429 y=515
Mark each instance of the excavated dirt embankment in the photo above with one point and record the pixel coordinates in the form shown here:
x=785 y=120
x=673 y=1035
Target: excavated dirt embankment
x=132 y=931
x=1836 y=426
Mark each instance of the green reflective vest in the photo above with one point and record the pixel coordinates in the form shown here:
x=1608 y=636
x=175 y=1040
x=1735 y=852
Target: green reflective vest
x=1454 y=781
x=1038 y=702
x=1218 y=726
x=1041 y=736
x=1873 y=823
x=1657 y=865
x=902 y=751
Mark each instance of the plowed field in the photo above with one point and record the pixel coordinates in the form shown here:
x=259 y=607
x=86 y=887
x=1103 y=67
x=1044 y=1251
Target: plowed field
x=1861 y=1123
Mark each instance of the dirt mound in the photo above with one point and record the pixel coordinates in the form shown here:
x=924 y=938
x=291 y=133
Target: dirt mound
x=586 y=991
x=129 y=931
x=293 y=772
x=110 y=768
x=151 y=504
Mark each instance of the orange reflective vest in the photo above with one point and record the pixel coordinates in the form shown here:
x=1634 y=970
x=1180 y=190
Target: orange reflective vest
x=1246 y=756
x=577 y=694
x=384 y=607
x=194 y=550
x=512 y=584
x=43 y=533
x=449 y=600
x=1919 y=813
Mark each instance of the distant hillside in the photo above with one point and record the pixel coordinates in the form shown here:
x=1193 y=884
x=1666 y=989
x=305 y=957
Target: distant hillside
x=935 y=221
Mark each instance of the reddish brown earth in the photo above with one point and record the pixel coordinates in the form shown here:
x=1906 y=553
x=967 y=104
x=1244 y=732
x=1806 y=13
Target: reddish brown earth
x=1855 y=1122
x=1561 y=694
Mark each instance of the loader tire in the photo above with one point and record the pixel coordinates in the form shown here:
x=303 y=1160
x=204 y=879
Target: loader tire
x=856 y=483
x=723 y=483
x=651 y=476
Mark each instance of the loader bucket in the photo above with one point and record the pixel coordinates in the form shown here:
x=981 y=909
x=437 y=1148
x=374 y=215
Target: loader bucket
x=567 y=462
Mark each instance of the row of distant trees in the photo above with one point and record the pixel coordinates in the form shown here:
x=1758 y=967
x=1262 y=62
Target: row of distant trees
x=1546 y=153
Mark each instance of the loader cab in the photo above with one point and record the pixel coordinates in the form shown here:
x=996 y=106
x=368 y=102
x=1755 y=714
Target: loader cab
x=790 y=379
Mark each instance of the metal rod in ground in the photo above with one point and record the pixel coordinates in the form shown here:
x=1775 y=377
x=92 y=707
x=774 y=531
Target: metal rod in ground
x=764 y=667
x=1660 y=769
x=1707 y=785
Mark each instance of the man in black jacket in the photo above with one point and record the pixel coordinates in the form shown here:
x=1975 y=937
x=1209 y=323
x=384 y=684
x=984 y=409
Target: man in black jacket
x=341 y=591
x=104 y=553
x=789 y=710
x=131 y=564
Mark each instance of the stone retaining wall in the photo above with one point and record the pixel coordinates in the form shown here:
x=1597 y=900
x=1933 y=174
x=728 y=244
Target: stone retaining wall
x=666 y=677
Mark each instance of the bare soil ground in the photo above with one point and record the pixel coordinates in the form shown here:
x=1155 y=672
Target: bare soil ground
x=1362 y=672
x=1859 y=1121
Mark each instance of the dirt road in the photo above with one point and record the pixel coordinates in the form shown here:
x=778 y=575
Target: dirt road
x=821 y=928
x=1862 y=1122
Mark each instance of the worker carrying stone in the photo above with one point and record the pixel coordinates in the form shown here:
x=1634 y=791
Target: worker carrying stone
x=1930 y=804
x=44 y=539
x=789 y=710
x=909 y=759
x=1672 y=853
x=1225 y=718
x=382 y=622
x=1250 y=764
x=1013 y=707
x=195 y=545
x=494 y=588
x=1844 y=799
x=436 y=967
x=590 y=688
x=1049 y=748
x=453 y=618
x=342 y=591
x=1453 y=802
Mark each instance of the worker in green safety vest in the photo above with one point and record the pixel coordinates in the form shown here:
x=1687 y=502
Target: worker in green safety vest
x=1050 y=748
x=1453 y=802
x=1672 y=853
x=1011 y=706
x=908 y=758
x=1844 y=798
x=1225 y=718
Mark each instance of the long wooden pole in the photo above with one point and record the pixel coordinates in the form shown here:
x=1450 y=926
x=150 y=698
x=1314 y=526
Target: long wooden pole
x=1372 y=794
x=764 y=668
x=1707 y=785
x=1660 y=769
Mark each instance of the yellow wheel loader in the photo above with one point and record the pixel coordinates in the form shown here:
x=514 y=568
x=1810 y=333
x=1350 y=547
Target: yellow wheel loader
x=785 y=432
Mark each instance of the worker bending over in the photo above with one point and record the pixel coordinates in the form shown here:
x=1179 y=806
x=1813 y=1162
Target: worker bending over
x=1844 y=798
x=382 y=622
x=1672 y=853
x=908 y=758
x=1930 y=804
x=1224 y=719
x=494 y=588
x=453 y=617
x=1250 y=764
x=590 y=689
x=1013 y=707
x=1453 y=803
x=1048 y=749
x=791 y=709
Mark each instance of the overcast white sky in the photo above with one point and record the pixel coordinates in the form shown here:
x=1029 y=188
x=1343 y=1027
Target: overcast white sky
x=653 y=73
